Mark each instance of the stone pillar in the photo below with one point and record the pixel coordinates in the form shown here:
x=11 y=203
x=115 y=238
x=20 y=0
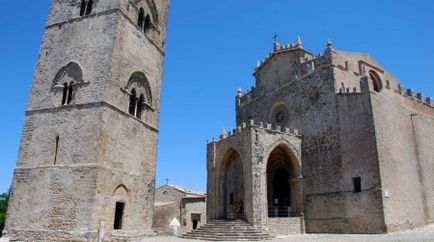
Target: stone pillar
x=296 y=189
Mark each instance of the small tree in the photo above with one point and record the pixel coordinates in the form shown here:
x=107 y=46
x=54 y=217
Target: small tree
x=4 y=200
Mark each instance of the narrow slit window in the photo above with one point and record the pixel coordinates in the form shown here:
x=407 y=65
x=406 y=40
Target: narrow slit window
x=231 y=198
x=357 y=182
x=56 y=150
x=119 y=213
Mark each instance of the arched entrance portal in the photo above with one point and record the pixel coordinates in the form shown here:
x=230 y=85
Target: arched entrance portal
x=232 y=187
x=284 y=184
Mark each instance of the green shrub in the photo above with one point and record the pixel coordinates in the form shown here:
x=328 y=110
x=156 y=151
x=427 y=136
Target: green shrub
x=4 y=200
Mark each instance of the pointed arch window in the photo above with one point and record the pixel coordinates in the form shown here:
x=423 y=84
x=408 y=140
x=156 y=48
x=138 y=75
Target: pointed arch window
x=68 y=80
x=376 y=81
x=140 y=96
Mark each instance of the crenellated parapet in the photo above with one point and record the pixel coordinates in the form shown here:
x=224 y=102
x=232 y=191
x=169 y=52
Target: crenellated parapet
x=409 y=94
x=417 y=97
x=275 y=129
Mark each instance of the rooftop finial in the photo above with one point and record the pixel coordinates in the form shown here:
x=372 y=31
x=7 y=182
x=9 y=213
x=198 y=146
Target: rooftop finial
x=329 y=44
x=223 y=132
x=299 y=43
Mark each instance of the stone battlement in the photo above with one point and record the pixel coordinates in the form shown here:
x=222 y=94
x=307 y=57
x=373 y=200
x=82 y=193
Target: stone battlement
x=417 y=97
x=264 y=126
x=280 y=48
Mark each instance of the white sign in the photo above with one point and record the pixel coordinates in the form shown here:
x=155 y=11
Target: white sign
x=175 y=225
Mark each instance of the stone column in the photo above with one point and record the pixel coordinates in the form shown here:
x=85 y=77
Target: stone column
x=296 y=189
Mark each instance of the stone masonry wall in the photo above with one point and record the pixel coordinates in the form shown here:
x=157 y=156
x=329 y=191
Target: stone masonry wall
x=104 y=155
x=285 y=226
x=338 y=138
x=404 y=129
x=253 y=143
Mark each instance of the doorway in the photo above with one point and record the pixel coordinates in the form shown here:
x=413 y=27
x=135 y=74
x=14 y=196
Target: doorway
x=119 y=213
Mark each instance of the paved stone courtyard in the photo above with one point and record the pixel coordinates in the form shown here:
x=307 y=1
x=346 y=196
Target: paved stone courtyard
x=420 y=235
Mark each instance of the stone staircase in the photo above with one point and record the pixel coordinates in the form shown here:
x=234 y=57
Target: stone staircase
x=227 y=230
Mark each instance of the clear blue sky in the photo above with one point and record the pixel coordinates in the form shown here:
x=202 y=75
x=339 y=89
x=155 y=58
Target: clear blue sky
x=212 y=48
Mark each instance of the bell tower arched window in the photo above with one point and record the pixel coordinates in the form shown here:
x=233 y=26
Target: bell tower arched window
x=376 y=81
x=140 y=96
x=68 y=80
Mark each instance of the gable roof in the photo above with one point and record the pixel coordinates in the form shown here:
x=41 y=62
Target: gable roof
x=187 y=192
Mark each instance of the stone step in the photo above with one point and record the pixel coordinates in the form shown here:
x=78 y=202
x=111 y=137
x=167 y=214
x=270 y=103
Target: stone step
x=227 y=233
x=227 y=230
x=227 y=238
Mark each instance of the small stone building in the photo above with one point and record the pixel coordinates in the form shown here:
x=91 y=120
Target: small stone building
x=171 y=201
x=328 y=143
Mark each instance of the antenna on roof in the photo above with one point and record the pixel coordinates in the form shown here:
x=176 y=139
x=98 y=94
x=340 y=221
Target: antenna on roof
x=276 y=43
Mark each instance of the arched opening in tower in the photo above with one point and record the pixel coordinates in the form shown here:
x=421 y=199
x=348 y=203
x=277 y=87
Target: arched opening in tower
x=232 y=188
x=284 y=184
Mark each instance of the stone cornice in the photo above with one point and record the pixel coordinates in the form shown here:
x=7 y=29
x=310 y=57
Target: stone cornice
x=88 y=106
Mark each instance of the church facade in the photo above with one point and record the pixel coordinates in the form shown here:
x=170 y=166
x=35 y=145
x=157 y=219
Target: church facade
x=86 y=165
x=328 y=143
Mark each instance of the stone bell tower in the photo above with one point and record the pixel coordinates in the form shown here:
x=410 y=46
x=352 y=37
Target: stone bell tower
x=88 y=150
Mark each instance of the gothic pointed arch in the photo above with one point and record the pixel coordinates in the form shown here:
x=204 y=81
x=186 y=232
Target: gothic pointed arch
x=232 y=187
x=284 y=181
x=67 y=78
x=71 y=72
x=153 y=10
x=139 y=81
x=376 y=81
x=120 y=203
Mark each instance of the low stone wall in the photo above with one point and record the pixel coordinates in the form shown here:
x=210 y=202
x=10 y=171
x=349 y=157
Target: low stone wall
x=286 y=226
x=163 y=215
